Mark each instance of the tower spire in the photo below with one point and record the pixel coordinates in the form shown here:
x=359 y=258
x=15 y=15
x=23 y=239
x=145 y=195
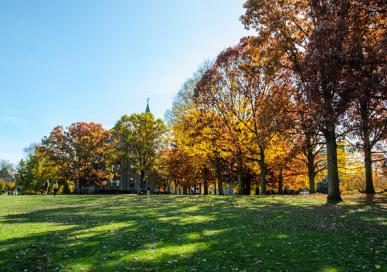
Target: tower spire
x=147 y=109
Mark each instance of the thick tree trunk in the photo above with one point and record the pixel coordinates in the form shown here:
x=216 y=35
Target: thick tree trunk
x=220 y=186
x=333 y=174
x=312 y=183
x=369 y=186
x=310 y=163
x=247 y=185
x=262 y=167
x=205 y=188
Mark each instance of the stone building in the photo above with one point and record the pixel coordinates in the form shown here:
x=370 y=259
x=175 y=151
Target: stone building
x=128 y=182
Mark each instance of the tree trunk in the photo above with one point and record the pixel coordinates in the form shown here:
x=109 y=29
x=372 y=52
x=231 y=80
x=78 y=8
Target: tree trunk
x=142 y=175
x=310 y=164
x=219 y=176
x=262 y=167
x=240 y=180
x=280 y=182
x=205 y=188
x=333 y=174
x=312 y=183
x=220 y=185
x=66 y=188
x=169 y=187
x=247 y=184
x=240 y=173
x=369 y=186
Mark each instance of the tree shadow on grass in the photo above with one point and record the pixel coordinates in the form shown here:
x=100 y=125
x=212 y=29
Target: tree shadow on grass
x=191 y=233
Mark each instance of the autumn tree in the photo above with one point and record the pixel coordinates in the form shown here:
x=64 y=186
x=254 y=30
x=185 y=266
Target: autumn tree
x=186 y=170
x=161 y=170
x=240 y=88
x=139 y=138
x=366 y=61
x=368 y=116
x=198 y=132
x=307 y=138
x=79 y=154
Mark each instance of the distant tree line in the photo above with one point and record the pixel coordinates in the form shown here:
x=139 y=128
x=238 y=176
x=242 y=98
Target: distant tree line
x=86 y=153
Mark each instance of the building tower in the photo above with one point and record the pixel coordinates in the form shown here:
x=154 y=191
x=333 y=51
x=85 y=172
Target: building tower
x=147 y=109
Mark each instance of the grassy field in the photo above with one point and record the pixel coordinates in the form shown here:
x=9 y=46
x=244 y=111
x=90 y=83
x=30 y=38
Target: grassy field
x=191 y=233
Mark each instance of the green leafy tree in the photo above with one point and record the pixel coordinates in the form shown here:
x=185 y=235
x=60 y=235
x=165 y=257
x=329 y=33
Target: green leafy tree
x=139 y=139
x=26 y=180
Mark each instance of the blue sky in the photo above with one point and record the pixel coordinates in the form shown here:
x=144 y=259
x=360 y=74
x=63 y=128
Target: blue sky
x=95 y=60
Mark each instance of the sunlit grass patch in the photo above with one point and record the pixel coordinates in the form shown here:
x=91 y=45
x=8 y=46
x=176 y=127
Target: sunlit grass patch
x=331 y=269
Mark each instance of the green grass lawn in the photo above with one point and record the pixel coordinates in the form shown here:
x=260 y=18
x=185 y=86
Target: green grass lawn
x=191 y=233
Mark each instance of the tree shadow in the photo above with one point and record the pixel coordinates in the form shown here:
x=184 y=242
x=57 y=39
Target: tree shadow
x=191 y=233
